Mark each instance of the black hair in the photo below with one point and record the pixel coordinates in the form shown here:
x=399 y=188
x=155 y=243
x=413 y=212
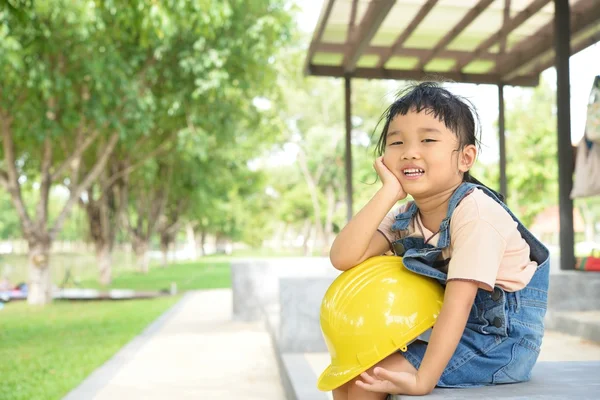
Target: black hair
x=457 y=113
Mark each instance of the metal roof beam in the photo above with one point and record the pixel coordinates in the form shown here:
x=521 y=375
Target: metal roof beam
x=505 y=20
x=514 y=23
x=405 y=52
x=454 y=32
x=374 y=16
x=380 y=73
x=318 y=33
x=352 y=22
x=579 y=46
x=583 y=14
x=397 y=46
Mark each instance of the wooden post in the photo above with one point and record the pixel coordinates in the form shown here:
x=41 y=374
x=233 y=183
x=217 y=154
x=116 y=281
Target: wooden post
x=348 y=158
x=562 y=40
x=502 y=143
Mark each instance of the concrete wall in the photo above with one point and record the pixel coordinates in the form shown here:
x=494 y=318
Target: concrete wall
x=574 y=291
x=255 y=282
x=300 y=304
x=294 y=287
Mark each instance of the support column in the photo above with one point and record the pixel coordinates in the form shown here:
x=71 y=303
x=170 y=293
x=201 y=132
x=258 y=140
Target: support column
x=502 y=142
x=562 y=39
x=348 y=158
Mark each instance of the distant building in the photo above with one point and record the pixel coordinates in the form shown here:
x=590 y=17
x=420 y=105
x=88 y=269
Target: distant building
x=546 y=225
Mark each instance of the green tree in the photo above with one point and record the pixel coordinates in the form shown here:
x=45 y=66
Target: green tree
x=9 y=223
x=314 y=111
x=532 y=171
x=61 y=89
x=108 y=78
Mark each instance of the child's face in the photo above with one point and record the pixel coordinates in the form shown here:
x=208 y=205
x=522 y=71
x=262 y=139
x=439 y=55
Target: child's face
x=422 y=153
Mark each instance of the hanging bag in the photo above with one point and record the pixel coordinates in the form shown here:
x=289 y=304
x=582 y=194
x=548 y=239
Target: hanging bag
x=592 y=122
x=586 y=182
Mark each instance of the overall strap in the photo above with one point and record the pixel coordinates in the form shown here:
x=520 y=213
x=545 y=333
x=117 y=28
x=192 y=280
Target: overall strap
x=403 y=219
x=460 y=193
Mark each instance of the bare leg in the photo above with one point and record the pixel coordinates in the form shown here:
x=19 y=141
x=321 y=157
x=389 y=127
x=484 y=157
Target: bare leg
x=395 y=362
x=341 y=393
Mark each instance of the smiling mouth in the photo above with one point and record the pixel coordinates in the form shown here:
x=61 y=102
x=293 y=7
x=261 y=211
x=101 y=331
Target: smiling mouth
x=413 y=172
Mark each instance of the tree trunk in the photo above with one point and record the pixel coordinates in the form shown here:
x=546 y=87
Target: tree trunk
x=140 y=248
x=329 y=219
x=40 y=283
x=102 y=224
x=283 y=241
x=220 y=243
x=203 y=241
x=306 y=235
x=104 y=258
x=165 y=241
x=313 y=189
x=191 y=244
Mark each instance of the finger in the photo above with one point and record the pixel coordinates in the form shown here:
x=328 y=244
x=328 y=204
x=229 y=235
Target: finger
x=368 y=378
x=378 y=386
x=378 y=161
x=380 y=167
x=387 y=375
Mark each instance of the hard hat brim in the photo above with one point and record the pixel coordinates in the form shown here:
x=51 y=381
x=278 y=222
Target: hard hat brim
x=335 y=376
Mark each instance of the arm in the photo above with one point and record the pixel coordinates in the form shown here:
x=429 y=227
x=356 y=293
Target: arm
x=478 y=252
x=446 y=334
x=359 y=240
x=448 y=329
x=473 y=265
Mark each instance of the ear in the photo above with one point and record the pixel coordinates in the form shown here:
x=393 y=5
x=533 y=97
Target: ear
x=467 y=158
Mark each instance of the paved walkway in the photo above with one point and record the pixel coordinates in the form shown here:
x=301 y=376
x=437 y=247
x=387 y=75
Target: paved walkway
x=194 y=351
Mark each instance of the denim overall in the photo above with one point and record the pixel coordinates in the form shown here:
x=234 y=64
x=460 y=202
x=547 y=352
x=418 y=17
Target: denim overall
x=504 y=331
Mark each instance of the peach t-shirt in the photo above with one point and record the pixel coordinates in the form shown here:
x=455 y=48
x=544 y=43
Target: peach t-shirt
x=485 y=244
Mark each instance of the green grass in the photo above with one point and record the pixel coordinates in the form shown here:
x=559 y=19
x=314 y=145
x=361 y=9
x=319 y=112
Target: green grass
x=266 y=253
x=81 y=265
x=46 y=352
x=207 y=273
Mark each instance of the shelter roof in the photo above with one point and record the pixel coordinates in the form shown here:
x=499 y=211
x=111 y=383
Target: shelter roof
x=476 y=41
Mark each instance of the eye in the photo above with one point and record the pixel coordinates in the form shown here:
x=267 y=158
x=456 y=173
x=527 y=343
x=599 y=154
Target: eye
x=396 y=143
x=429 y=140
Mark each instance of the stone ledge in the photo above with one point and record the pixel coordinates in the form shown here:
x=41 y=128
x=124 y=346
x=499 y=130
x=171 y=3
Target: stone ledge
x=300 y=303
x=301 y=378
x=550 y=380
x=255 y=282
x=574 y=291
x=300 y=300
x=585 y=324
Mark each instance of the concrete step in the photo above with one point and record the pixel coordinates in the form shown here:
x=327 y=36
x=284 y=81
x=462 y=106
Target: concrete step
x=550 y=380
x=585 y=324
x=556 y=380
x=574 y=291
x=567 y=369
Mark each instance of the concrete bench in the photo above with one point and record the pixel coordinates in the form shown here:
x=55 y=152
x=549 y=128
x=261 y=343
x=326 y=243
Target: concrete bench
x=300 y=301
x=255 y=282
x=287 y=293
x=550 y=380
x=295 y=325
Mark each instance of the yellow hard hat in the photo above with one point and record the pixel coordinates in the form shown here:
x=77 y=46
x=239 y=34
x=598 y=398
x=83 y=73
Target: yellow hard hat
x=372 y=310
